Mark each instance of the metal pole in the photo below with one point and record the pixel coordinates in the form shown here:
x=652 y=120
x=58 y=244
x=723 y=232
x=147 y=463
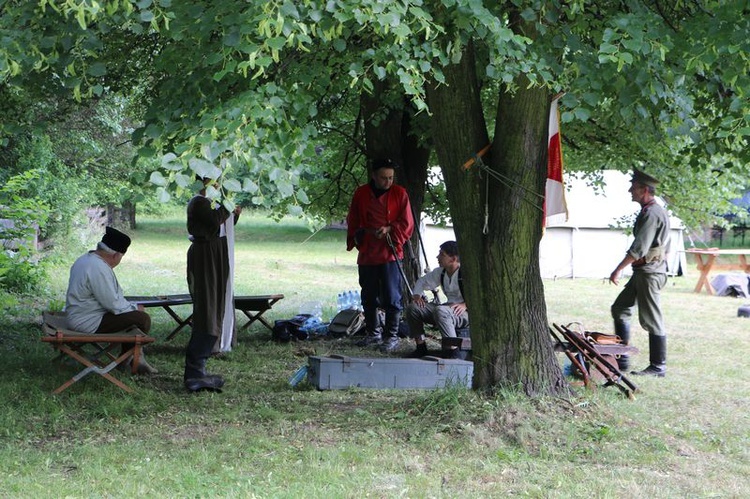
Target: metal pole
x=418 y=223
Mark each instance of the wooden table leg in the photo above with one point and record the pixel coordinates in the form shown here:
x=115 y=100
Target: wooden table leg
x=743 y=263
x=704 y=267
x=180 y=322
x=255 y=317
x=255 y=307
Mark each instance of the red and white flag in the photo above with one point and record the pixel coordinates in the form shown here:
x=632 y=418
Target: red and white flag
x=555 y=208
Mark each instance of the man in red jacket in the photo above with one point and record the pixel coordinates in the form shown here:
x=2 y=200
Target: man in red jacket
x=379 y=223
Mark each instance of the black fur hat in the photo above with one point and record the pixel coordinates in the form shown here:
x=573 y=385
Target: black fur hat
x=379 y=163
x=116 y=240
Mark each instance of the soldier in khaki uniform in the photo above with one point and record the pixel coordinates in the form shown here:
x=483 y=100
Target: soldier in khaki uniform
x=647 y=256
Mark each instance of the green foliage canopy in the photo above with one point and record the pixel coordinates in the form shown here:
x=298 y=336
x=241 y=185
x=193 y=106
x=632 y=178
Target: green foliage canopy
x=235 y=89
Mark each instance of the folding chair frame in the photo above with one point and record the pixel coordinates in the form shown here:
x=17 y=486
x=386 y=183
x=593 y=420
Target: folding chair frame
x=94 y=351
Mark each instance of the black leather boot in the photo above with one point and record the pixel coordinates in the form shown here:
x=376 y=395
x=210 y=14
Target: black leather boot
x=622 y=329
x=209 y=382
x=371 y=338
x=390 y=331
x=373 y=329
x=657 y=353
x=197 y=353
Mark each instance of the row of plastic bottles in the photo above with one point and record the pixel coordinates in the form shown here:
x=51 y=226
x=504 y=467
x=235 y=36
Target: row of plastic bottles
x=349 y=299
x=314 y=325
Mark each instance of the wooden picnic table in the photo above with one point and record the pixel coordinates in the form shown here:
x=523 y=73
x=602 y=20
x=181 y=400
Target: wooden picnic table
x=252 y=306
x=707 y=260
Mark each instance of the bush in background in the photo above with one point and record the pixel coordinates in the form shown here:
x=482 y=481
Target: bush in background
x=21 y=275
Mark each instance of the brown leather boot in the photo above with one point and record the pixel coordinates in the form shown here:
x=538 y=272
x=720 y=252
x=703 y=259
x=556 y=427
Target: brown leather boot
x=144 y=368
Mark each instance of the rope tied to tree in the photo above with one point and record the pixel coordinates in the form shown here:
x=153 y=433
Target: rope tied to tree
x=528 y=195
x=480 y=164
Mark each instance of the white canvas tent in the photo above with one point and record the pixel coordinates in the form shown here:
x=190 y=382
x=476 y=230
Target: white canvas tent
x=593 y=240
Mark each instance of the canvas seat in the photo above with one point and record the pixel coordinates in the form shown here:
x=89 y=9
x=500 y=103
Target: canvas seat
x=96 y=352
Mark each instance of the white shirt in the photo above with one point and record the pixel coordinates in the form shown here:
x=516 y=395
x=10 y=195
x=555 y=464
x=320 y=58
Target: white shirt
x=93 y=290
x=431 y=280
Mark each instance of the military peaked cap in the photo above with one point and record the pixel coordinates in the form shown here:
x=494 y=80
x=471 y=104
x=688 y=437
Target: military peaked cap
x=643 y=178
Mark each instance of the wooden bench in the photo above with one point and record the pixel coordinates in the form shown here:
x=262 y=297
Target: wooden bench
x=252 y=306
x=167 y=302
x=255 y=306
x=93 y=351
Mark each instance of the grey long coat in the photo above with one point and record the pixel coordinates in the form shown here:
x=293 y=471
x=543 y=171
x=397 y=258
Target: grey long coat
x=207 y=265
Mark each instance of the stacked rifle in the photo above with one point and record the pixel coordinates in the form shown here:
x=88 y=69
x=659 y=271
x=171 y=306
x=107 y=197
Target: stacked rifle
x=587 y=355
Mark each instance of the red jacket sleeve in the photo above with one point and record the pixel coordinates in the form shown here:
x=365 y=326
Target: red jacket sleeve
x=403 y=221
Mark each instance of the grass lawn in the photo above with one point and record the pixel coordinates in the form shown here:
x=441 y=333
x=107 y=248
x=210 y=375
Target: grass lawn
x=686 y=435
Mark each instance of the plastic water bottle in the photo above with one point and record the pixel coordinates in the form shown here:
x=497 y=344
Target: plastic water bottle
x=350 y=299
x=340 y=302
x=358 y=300
x=298 y=376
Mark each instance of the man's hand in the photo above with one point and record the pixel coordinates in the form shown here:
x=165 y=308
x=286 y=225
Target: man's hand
x=458 y=308
x=614 y=276
x=382 y=231
x=418 y=300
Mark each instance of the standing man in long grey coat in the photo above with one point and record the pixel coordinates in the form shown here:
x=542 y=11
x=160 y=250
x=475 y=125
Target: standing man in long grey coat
x=207 y=274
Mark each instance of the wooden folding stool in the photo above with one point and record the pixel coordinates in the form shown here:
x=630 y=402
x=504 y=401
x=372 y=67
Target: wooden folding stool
x=93 y=350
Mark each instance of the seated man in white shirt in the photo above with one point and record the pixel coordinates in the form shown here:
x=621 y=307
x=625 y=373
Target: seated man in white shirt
x=447 y=317
x=94 y=302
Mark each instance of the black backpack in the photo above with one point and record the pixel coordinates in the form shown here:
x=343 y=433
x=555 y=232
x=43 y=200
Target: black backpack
x=288 y=329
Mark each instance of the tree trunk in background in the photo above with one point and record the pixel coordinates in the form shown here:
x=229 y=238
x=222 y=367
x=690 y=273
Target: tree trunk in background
x=121 y=217
x=413 y=177
x=504 y=292
x=389 y=134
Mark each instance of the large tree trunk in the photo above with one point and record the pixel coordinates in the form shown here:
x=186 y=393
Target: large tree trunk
x=504 y=291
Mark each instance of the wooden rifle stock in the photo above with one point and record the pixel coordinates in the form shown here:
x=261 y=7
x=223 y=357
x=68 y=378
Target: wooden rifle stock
x=611 y=372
